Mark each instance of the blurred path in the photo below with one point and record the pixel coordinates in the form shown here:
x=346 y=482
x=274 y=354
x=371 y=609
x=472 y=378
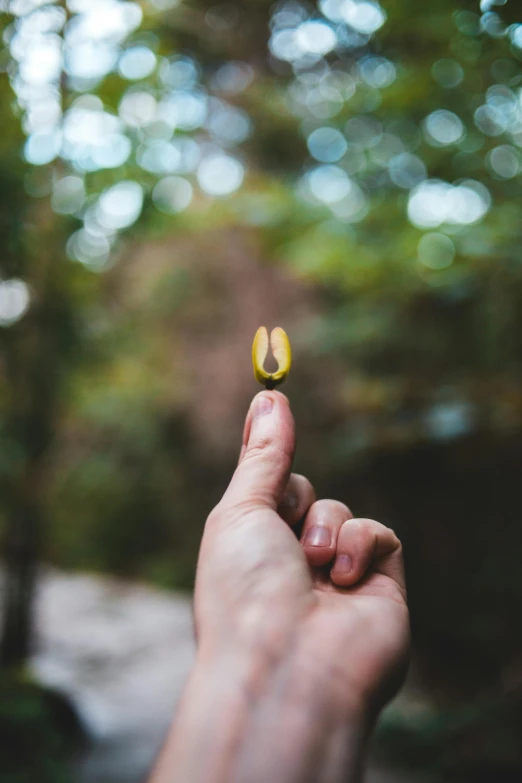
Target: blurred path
x=122 y=652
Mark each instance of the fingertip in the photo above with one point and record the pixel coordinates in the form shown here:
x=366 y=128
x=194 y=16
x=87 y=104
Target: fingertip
x=343 y=572
x=353 y=554
x=266 y=402
x=361 y=543
x=318 y=545
x=262 y=405
x=273 y=394
x=282 y=396
x=323 y=522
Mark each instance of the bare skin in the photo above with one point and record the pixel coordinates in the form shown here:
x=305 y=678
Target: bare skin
x=300 y=641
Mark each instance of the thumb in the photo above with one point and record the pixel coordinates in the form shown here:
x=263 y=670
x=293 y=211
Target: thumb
x=268 y=450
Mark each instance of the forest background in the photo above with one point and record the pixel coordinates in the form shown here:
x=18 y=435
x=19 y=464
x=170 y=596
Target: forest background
x=173 y=175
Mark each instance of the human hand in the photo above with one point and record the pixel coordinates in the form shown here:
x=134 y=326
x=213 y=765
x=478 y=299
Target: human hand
x=300 y=641
x=337 y=596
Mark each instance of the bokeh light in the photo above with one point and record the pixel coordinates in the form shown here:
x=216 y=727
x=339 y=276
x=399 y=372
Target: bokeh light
x=181 y=131
x=68 y=195
x=120 y=205
x=504 y=161
x=172 y=194
x=436 y=251
x=406 y=170
x=443 y=127
x=377 y=71
x=175 y=127
x=14 y=301
x=233 y=77
x=220 y=175
x=137 y=62
x=42 y=148
x=327 y=144
x=90 y=249
x=434 y=203
x=447 y=73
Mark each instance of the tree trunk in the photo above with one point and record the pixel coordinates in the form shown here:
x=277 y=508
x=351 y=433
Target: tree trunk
x=21 y=557
x=36 y=352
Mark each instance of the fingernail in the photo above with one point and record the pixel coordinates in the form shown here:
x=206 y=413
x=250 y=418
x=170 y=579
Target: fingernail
x=318 y=536
x=289 y=500
x=343 y=563
x=262 y=406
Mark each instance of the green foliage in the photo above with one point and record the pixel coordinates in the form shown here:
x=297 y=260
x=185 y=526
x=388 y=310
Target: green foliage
x=455 y=743
x=40 y=733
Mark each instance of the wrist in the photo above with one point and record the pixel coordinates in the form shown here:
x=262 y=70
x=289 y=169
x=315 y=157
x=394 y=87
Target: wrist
x=249 y=715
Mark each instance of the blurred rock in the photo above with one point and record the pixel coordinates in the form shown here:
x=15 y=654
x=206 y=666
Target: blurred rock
x=122 y=653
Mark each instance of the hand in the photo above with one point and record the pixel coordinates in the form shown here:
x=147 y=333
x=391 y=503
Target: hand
x=336 y=597
x=300 y=642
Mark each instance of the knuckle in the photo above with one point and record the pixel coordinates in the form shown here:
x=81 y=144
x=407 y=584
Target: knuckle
x=304 y=488
x=257 y=447
x=397 y=543
x=342 y=507
x=366 y=522
x=268 y=451
x=392 y=535
x=377 y=530
x=333 y=505
x=372 y=526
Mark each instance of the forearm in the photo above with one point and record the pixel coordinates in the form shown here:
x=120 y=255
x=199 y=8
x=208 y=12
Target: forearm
x=251 y=718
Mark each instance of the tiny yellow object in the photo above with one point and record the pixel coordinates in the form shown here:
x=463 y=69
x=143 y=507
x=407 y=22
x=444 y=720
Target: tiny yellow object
x=282 y=354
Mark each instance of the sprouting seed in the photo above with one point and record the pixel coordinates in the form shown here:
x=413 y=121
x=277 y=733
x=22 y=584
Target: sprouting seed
x=282 y=353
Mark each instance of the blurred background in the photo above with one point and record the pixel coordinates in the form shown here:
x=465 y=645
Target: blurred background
x=172 y=175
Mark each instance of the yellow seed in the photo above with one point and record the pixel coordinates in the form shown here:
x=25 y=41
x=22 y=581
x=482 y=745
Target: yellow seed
x=282 y=353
